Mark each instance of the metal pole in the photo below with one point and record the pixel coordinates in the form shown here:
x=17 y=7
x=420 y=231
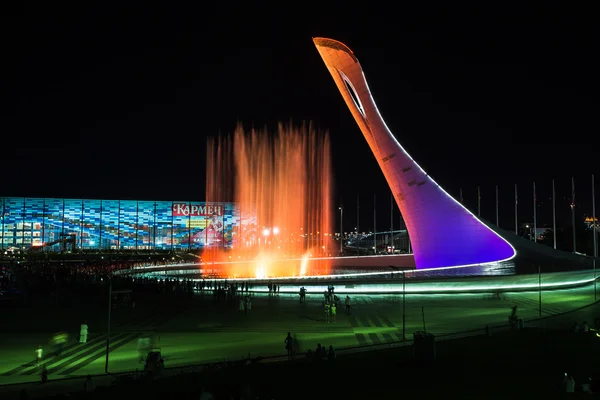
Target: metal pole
x=403 y=305
x=375 y=224
x=595 y=238
x=206 y=226
x=108 y=329
x=534 y=215
x=357 y=226
x=516 y=211
x=540 y=288
x=423 y=316
x=341 y=229
x=23 y=224
x=460 y=194
x=154 y=227
x=173 y=227
x=81 y=224
x=62 y=229
x=554 y=214
x=43 y=226
x=2 y=217
x=392 y=223
x=594 y=218
x=573 y=213
x=497 y=214
x=137 y=224
x=101 y=228
x=119 y=226
x=478 y=202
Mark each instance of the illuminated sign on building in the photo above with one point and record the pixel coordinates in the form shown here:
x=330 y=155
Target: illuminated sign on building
x=197 y=209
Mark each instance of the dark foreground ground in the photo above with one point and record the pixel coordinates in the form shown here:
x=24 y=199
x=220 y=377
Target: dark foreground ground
x=528 y=363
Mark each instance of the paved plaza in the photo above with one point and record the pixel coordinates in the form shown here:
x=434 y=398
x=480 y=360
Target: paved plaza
x=202 y=330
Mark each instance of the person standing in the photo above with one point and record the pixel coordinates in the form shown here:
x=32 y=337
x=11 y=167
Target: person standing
x=347 y=305
x=89 y=385
x=333 y=312
x=83 y=333
x=289 y=345
x=39 y=353
x=60 y=339
x=569 y=384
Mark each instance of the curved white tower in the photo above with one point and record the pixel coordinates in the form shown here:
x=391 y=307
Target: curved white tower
x=443 y=233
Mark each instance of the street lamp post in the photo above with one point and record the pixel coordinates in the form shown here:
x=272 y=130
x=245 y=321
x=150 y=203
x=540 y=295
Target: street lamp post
x=540 y=290
x=341 y=229
x=404 y=305
x=111 y=292
x=108 y=327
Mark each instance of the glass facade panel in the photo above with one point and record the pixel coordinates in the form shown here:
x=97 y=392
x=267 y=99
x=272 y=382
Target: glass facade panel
x=72 y=216
x=110 y=225
x=12 y=222
x=164 y=219
x=33 y=221
x=181 y=219
x=53 y=219
x=127 y=224
x=90 y=237
x=145 y=225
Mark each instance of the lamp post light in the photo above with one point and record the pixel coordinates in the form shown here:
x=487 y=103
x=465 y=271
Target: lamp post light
x=341 y=229
x=266 y=232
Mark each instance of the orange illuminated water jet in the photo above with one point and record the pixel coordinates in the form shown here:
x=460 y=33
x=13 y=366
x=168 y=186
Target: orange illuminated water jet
x=281 y=184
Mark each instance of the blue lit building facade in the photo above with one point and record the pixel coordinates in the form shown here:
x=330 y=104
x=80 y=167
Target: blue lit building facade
x=116 y=224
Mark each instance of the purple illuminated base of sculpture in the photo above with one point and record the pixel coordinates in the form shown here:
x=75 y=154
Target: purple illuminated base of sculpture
x=468 y=242
x=446 y=233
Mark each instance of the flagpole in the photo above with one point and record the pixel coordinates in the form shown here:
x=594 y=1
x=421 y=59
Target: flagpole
x=497 y=214
x=478 y=202
x=375 y=224
x=392 y=223
x=516 y=212
x=594 y=218
x=534 y=215
x=554 y=213
x=357 y=226
x=595 y=234
x=573 y=213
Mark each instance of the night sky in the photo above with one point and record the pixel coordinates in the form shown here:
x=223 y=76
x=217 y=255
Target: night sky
x=117 y=103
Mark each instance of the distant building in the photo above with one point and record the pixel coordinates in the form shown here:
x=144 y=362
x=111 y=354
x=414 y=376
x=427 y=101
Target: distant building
x=527 y=230
x=118 y=224
x=591 y=222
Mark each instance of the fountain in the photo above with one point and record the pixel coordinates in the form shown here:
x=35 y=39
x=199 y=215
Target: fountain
x=281 y=185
